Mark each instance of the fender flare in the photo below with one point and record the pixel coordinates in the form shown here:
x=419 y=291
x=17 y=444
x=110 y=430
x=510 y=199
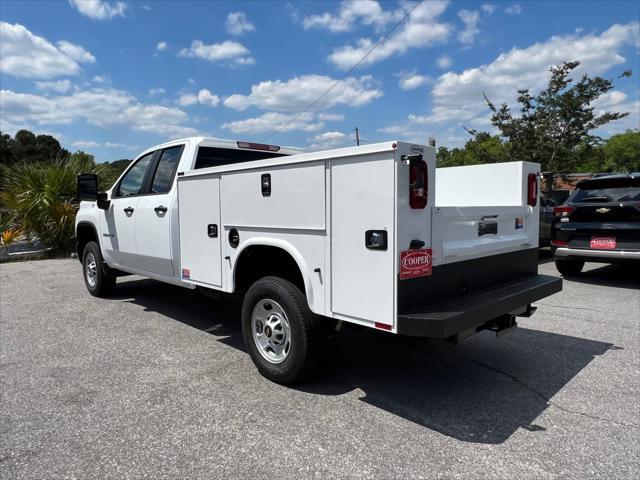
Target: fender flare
x=82 y=224
x=287 y=247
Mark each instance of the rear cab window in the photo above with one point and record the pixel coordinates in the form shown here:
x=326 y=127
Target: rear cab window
x=166 y=169
x=215 y=156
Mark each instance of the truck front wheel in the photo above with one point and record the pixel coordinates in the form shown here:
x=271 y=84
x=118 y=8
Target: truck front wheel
x=99 y=281
x=279 y=330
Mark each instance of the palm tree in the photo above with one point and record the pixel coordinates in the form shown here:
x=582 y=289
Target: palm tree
x=38 y=198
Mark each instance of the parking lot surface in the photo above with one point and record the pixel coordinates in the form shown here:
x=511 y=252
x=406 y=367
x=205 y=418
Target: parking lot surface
x=154 y=383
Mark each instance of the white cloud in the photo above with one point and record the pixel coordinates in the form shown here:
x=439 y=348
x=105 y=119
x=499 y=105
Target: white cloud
x=161 y=46
x=85 y=144
x=204 y=97
x=157 y=91
x=99 y=9
x=227 y=50
x=457 y=97
x=412 y=80
x=444 y=62
x=60 y=86
x=102 y=107
x=23 y=54
x=330 y=117
x=271 y=121
x=470 y=19
x=92 y=144
x=328 y=140
x=237 y=24
x=75 y=52
x=514 y=9
x=100 y=79
x=124 y=146
x=298 y=92
x=352 y=12
x=421 y=29
x=488 y=8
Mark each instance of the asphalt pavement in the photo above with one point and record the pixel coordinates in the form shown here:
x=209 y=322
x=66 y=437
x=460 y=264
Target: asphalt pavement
x=155 y=383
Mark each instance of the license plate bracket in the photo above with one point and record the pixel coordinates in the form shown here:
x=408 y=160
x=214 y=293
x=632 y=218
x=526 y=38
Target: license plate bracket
x=603 y=243
x=487 y=228
x=415 y=263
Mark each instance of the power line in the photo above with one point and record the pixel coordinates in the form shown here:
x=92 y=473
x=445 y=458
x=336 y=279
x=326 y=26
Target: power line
x=346 y=74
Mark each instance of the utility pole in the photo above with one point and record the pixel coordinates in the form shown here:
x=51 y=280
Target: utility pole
x=357 y=137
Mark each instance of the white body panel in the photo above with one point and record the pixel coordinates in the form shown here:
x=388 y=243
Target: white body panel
x=153 y=233
x=362 y=198
x=119 y=232
x=201 y=254
x=296 y=200
x=320 y=207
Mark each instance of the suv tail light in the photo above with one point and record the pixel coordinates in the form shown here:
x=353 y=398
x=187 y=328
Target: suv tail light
x=418 y=182
x=532 y=189
x=562 y=211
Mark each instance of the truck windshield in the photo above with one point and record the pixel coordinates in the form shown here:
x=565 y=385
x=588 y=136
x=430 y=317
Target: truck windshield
x=214 y=157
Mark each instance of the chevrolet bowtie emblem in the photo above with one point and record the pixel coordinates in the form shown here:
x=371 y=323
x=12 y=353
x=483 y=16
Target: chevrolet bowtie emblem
x=603 y=210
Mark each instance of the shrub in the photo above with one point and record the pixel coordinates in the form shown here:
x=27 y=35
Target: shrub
x=38 y=198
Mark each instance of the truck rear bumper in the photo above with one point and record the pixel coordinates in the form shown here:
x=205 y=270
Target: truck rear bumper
x=605 y=255
x=450 y=317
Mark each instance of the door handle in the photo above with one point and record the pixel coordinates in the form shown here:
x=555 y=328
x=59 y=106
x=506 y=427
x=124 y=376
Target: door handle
x=161 y=209
x=128 y=211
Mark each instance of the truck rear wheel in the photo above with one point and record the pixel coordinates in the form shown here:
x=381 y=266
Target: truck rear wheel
x=569 y=268
x=99 y=281
x=279 y=330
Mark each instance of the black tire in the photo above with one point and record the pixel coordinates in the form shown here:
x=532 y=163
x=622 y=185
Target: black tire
x=104 y=280
x=305 y=330
x=569 y=268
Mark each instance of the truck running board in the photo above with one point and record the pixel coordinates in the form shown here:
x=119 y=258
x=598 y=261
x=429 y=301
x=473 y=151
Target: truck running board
x=478 y=310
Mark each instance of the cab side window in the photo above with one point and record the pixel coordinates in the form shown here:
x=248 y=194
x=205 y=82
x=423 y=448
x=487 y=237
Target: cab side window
x=132 y=182
x=166 y=169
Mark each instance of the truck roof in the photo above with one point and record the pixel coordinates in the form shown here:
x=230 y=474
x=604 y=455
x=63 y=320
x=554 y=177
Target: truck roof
x=229 y=144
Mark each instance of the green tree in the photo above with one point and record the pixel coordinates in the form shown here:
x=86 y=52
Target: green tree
x=481 y=148
x=556 y=122
x=27 y=147
x=622 y=152
x=39 y=198
x=6 y=149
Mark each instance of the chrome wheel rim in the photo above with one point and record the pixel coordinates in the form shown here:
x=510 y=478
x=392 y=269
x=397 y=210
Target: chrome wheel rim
x=271 y=331
x=91 y=270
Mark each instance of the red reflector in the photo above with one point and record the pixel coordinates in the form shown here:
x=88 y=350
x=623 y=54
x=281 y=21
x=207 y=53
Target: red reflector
x=559 y=243
x=562 y=211
x=383 y=326
x=532 y=189
x=258 y=146
x=418 y=183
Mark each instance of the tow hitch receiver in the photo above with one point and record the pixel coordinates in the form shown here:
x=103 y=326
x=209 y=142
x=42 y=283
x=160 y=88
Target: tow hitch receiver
x=503 y=325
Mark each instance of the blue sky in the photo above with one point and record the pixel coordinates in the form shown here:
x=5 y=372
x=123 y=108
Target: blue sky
x=114 y=77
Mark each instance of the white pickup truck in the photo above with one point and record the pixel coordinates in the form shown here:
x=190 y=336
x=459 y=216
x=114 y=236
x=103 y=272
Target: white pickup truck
x=371 y=235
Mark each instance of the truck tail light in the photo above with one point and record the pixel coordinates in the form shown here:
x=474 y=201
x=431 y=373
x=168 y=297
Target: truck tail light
x=562 y=211
x=559 y=243
x=532 y=189
x=418 y=182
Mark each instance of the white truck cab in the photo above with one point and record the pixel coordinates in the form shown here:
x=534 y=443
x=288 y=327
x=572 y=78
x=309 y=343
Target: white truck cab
x=371 y=235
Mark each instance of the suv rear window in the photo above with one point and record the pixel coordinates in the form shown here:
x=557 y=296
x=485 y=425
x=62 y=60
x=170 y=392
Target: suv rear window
x=214 y=157
x=619 y=189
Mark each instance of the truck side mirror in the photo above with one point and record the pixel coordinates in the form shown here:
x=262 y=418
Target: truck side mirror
x=103 y=201
x=87 y=187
